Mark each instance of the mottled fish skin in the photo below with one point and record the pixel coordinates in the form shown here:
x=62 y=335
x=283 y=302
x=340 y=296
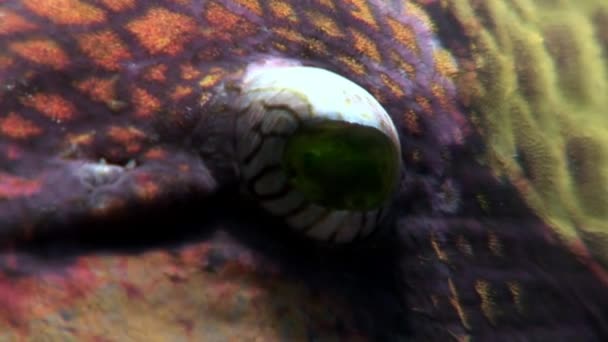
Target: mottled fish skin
x=126 y=81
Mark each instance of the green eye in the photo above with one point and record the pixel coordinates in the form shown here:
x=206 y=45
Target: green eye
x=315 y=149
x=342 y=166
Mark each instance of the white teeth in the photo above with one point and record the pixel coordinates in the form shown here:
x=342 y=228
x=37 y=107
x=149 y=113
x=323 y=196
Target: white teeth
x=274 y=102
x=324 y=229
x=370 y=223
x=268 y=155
x=306 y=217
x=350 y=227
x=254 y=141
x=279 y=122
x=284 y=205
x=271 y=182
x=324 y=94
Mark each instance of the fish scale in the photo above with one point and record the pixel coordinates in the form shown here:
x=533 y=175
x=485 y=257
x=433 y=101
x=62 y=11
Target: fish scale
x=128 y=81
x=119 y=109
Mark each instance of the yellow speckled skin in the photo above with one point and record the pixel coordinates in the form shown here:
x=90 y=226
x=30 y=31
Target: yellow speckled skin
x=500 y=226
x=539 y=97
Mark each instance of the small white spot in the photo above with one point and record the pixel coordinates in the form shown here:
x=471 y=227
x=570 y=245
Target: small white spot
x=98 y=174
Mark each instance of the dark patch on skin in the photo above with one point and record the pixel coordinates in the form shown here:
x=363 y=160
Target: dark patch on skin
x=362 y=274
x=524 y=163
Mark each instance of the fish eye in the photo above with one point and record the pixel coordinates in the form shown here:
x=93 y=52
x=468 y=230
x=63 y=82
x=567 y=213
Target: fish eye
x=317 y=150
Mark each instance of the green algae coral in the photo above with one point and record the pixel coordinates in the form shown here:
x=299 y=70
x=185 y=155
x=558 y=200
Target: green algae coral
x=541 y=104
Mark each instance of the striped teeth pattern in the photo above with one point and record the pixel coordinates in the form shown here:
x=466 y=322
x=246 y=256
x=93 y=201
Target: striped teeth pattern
x=273 y=106
x=306 y=217
x=270 y=183
x=268 y=155
x=324 y=229
x=284 y=205
x=350 y=228
x=247 y=151
x=278 y=121
x=369 y=221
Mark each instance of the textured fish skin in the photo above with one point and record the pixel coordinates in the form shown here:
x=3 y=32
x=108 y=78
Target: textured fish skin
x=127 y=82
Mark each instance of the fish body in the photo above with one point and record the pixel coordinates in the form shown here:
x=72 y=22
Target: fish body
x=91 y=92
x=110 y=105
